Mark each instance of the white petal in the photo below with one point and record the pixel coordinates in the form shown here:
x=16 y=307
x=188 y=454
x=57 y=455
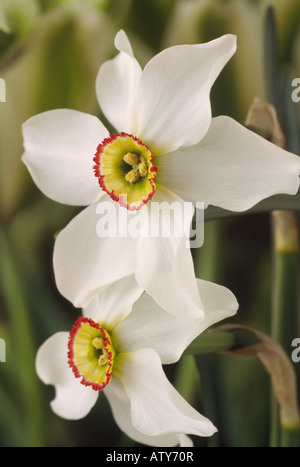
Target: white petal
x=122 y=43
x=164 y=267
x=72 y=400
x=174 y=104
x=218 y=301
x=114 y=302
x=156 y=407
x=232 y=168
x=117 y=87
x=59 y=150
x=84 y=262
x=120 y=406
x=149 y=326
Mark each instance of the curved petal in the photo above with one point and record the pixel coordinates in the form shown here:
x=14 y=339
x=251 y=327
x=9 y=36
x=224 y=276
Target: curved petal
x=164 y=262
x=72 y=400
x=89 y=253
x=232 y=168
x=149 y=326
x=59 y=150
x=156 y=407
x=117 y=87
x=174 y=104
x=120 y=406
x=114 y=302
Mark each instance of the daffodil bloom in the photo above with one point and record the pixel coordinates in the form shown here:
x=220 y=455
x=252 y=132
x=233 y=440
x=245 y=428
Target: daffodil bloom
x=118 y=347
x=165 y=147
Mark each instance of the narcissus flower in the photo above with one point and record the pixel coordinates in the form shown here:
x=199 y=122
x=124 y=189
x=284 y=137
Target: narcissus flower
x=165 y=147
x=118 y=347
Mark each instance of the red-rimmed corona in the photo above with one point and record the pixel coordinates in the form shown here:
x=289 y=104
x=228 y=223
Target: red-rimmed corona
x=125 y=170
x=91 y=353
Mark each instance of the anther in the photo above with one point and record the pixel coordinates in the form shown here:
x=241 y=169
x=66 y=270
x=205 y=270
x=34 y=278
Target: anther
x=131 y=158
x=132 y=176
x=103 y=359
x=98 y=343
x=143 y=169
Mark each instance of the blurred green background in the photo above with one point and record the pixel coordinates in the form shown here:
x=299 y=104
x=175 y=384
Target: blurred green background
x=50 y=53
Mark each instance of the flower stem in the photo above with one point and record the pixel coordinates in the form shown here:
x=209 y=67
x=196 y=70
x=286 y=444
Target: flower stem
x=285 y=302
x=286 y=266
x=187 y=378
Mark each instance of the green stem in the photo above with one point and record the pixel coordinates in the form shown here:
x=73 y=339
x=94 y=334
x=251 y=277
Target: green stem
x=187 y=378
x=285 y=300
x=290 y=437
x=22 y=344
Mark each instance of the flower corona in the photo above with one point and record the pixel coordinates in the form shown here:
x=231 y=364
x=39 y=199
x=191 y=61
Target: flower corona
x=91 y=353
x=125 y=170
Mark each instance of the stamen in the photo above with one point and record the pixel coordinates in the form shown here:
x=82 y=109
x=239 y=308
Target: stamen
x=131 y=158
x=139 y=167
x=98 y=343
x=143 y=169
x=103 y=359
x=132 y=176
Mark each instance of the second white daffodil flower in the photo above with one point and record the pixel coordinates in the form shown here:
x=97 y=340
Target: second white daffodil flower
x=118 y=347
x=166 y=147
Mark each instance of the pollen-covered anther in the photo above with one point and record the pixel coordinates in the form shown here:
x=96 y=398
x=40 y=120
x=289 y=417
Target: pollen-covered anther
x=98 y=343
x=133 y=176
x=131 y=158
x=103 y=359
x=139 y=167
x=143 y=169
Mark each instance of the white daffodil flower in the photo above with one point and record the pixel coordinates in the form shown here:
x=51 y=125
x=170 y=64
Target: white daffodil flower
x=118 y=346
x=166 y=148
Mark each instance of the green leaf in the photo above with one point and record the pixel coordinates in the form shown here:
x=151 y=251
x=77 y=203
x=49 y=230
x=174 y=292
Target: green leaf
x=221 y=341
x=277 y=202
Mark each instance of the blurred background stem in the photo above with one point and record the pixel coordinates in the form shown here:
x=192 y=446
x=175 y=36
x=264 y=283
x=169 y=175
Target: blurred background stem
x=22 y=346
x=285 y=305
